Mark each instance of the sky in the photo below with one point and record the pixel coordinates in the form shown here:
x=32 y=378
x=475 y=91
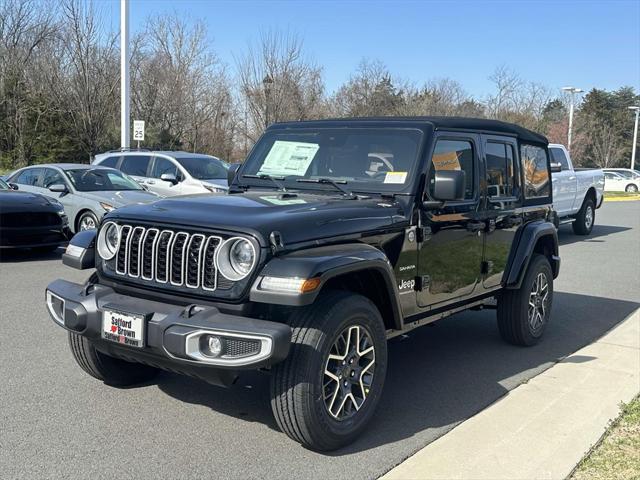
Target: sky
x=588 y=44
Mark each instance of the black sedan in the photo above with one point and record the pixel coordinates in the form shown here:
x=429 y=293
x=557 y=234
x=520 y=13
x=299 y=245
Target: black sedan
x=29 y=220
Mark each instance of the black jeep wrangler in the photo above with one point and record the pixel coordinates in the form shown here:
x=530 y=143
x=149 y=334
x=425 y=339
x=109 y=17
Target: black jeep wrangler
x=335 y=236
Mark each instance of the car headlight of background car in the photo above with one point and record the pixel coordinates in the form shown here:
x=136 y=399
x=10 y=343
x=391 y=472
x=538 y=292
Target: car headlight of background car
x=108 y=240
x=236 y=258
x=107 y=206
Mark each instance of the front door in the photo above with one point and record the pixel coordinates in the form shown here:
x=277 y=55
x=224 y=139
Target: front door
x=503 y=205
x=452 y=236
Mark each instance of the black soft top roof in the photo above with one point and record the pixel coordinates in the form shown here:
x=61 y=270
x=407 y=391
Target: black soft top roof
x=437 y=123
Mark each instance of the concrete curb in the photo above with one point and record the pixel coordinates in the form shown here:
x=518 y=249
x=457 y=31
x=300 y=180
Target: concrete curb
x=543 y=428
x=622 y=199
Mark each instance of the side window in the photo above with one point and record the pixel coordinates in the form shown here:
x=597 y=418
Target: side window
x=52 y=177
x=110 y=162
x=454 y=155
x=28 y=177
x=501 y=176
x=558 y=156
x=536 y=173
x=135 y=165
x=162 y=165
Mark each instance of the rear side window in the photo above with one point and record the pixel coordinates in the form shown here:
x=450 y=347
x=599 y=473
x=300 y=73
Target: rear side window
x=454 y=155
x=110 y=162
x=28 y=177
x=558 y=156
x=536 y=173
x=501 y=176
x=135 y=165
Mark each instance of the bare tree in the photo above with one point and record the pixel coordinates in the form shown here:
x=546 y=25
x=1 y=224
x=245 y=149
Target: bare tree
x=26 y=26
x=180 y=88
x=277 y=83
x=84 y=77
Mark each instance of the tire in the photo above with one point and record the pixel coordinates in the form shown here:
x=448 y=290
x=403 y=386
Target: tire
x=631 y=188
x=111 y=371
x=515 y=309
x=583 y=224
x=307 y=404
x=86 y=220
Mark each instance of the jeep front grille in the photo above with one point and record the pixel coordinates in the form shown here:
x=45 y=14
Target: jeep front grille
x=169 y=257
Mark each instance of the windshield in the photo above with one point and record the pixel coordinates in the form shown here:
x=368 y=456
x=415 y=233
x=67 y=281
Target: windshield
x=367 y=159
x=3 y=185
x=205 y=168
x=100 y=179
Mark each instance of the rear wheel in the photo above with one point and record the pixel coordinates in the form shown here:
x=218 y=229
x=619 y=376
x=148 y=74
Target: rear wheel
x=631 y=188
x=111 y=371
x=523 y=314
x=583 y=224
x=325 y=393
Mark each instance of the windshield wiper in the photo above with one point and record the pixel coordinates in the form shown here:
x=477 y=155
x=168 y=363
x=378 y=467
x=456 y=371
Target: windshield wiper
x=264 y=176
x=328 y=181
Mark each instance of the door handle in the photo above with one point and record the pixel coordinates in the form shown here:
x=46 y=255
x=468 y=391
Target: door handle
x=151 y=182
x=476 y=226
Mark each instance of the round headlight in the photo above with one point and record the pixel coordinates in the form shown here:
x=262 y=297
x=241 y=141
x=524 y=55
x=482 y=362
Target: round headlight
x=108 y=240
x=236 y=258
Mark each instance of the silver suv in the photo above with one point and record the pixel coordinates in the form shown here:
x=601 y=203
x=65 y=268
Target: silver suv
x=170 y=173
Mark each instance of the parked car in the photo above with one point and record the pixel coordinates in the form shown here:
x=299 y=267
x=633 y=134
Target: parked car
x=170 y=173
x=87 y=192
x=311 y=263
x=617 y=182
x=625 y=172
x=576 y=193
x=29 y=220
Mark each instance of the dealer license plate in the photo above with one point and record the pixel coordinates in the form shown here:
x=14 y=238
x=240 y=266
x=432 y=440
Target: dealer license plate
x=124 y=328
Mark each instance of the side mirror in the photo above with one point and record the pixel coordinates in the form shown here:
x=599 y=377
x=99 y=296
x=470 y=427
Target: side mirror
x=13 y=186
x=58 y=188
x=448 y=185
x=231 y=173
x=169 y=177
x=556 y=167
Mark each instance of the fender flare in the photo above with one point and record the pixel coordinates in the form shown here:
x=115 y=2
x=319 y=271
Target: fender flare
x=325 y=263
x=520 y=256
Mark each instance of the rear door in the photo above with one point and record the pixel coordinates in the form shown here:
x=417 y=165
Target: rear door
x=502 y=205
x=28 y=180
x=136 y=166
x=450 y=253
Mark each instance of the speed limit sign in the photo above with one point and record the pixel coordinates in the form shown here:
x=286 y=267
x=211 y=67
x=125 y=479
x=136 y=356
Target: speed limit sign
x=138 y=130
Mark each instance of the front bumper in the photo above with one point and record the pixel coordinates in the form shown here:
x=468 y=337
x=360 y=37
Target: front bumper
x=169 y=331
x=32 y=237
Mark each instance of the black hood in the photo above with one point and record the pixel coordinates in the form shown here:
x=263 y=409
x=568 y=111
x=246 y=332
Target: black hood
x=12 y=201
x=299 y=218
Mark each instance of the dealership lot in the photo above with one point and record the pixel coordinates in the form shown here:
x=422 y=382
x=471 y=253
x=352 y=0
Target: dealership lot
x=58 y=422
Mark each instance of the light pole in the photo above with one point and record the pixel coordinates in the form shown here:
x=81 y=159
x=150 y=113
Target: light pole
x=572 y=91
x=266 y=83
x=125 y=125
x=635 y=138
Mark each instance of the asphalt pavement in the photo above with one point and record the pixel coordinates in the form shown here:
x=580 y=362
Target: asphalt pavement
x=57 y=422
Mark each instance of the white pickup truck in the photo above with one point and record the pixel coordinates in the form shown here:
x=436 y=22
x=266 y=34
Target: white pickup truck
x=576 y=193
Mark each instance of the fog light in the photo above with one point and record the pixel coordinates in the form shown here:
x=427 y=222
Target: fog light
x=211 y=346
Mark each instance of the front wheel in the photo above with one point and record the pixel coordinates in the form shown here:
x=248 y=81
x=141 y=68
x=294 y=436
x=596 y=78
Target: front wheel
x=523 y=314
x=583 y=224
x=87 y=221
x=325 y=393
